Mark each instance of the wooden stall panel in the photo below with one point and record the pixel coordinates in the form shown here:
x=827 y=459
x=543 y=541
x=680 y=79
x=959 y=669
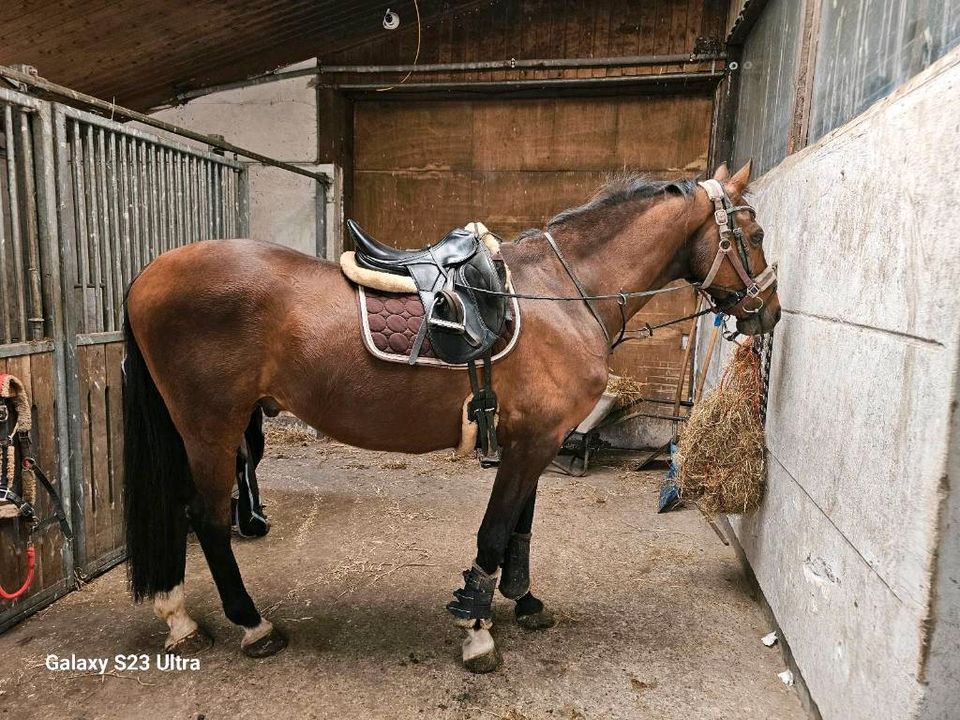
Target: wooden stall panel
x=519 y=164
x=37 y=373
x=415 y=136
x=98 y=494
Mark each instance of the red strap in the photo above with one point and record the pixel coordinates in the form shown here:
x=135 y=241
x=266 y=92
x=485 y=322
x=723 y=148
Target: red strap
x=31 y=566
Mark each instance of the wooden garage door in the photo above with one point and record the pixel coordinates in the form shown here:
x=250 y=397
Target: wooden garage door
x=422 y=168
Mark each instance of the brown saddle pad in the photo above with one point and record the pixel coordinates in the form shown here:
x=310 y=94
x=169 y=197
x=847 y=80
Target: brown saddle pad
x=390 y=322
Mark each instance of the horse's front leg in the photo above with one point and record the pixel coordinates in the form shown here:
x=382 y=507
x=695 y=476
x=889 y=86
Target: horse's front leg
x=515 y=573
x=515 y=484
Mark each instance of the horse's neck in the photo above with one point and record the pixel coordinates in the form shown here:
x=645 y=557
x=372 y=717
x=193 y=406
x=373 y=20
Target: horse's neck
x=646 y=252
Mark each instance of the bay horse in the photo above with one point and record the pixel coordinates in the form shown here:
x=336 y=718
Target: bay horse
x=218 y=329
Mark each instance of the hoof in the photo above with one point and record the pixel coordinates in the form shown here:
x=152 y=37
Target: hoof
x=488 y=662
x=531 y=614
x=193 y=644
x=270 y=644
x=537 y=621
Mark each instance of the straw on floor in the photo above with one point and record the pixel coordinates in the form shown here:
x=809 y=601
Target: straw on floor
x=720 y=457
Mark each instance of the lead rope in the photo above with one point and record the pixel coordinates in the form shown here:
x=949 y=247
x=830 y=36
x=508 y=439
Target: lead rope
x=764 y=349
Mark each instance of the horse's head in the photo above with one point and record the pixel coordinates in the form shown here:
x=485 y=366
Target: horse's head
x=728 y=259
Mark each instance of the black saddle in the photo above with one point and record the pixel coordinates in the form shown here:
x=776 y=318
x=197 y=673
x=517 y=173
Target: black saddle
x=462 y=324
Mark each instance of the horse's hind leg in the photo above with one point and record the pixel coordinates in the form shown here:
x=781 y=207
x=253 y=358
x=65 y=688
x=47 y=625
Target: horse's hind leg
x=185 y=635
x=213 y=472
x=515 y=573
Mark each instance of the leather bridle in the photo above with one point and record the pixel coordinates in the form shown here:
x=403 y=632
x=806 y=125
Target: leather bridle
x=733 y=247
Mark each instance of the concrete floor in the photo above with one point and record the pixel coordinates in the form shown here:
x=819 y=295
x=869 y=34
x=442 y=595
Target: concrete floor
x=655 y=618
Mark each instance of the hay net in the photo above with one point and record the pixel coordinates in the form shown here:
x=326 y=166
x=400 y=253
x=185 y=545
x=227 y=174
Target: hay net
x=720 y=459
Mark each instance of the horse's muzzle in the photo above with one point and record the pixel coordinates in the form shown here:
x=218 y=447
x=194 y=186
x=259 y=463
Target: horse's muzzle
x=763 y=321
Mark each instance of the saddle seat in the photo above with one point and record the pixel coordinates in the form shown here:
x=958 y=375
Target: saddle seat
x=458 y=246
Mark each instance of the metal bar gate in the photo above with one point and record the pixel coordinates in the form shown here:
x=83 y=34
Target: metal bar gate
x=85 y=203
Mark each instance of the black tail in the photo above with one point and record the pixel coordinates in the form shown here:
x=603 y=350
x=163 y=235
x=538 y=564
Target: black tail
x=156 y=481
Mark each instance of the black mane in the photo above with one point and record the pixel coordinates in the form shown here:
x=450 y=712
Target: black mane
x=623 y=188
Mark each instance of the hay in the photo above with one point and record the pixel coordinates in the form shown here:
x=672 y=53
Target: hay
x=720 y=457
x=627 y=389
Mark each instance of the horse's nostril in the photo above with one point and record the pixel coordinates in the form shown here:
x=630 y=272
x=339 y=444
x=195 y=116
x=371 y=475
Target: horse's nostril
x=776 y=318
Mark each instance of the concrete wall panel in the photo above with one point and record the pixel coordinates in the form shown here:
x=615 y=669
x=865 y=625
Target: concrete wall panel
x=855 y=545
x=854 y=641
x=278 y=119
x=859 y=418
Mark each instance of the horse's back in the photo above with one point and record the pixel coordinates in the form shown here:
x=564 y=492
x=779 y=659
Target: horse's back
x=224 y=276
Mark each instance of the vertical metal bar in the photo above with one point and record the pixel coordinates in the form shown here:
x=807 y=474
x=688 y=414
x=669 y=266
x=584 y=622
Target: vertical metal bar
x=188 y=199
x=146 y=188
x=243 y=201
x=174 y=199
x=162 y=197
x=36 y=318
x=115 y=246
x=106 y=236
x=15 y=237
x=6 y=336
x=145 y=255
x=93 y=221
x=195 y=191
x=218 y=197
x=171 y=202
x=229 y=205
x=129 y=256
x=58 y=263
x=80 y=226
x=154 y=201
x=178 y=197
x=168 y=198
x=213 y=198
x=136 y=258
x=211 y=209
x=204 y=201
x=167 y=201
x=321 y=240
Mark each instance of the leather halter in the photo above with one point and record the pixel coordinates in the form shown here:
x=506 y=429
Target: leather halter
x=747 y=300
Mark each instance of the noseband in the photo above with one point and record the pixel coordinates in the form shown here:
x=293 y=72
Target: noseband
x=746 y=301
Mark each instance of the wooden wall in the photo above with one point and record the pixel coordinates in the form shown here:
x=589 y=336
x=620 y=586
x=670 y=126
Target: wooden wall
x=98 y=493
x=422 y=168
x=417 y=165
x=543 y=29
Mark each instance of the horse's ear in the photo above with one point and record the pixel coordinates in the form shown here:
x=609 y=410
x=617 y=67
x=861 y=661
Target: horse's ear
x=738 y=183
x=722 y=174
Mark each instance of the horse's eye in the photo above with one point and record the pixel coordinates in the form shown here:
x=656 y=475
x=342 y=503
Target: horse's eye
x=757 y=237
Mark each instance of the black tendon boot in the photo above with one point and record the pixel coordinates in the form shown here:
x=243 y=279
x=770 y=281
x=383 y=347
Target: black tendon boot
x=515 y=576
x=515 y=585
x=473 y=602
